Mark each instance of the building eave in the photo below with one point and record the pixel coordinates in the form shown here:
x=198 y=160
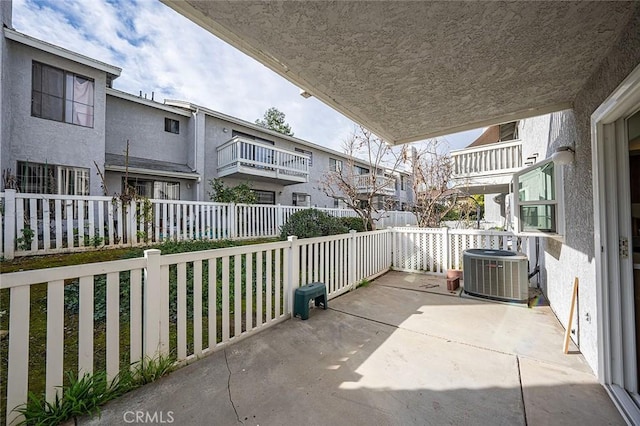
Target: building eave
x=18 y=37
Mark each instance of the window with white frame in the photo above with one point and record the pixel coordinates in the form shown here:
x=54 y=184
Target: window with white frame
x=156 y=189
x=171 y=125
x=43 y=178
x=61 y=95
x=537 y=199
x=265 y=197
x=335 y=165
x=309 y=153
x=339 y=203
x=301 y=200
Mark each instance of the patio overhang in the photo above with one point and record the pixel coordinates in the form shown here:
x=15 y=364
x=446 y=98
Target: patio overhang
x=414 y=70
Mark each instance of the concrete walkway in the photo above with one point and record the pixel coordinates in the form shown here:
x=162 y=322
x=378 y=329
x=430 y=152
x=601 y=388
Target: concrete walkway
x=402 y=351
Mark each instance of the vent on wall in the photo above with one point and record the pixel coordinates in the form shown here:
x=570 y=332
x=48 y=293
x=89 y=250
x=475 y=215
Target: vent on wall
x=496 y=274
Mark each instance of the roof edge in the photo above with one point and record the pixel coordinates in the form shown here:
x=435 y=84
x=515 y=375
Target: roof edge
x=62 y=52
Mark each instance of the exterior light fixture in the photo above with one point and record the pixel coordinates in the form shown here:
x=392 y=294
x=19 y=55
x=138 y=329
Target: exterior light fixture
x=563 y=156
x=305 y=94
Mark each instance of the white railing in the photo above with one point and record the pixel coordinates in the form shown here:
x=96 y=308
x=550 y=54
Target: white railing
x=46 y=224
x=243 y=155
x=383 y=185
x=221 y=296
x=436 y=250
x=501 y=157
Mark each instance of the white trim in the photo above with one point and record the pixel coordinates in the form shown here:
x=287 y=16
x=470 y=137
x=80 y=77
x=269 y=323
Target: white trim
x=61 y=52
x=610 y=318
x=558 y=202
x=147 y=102
x=150 y=172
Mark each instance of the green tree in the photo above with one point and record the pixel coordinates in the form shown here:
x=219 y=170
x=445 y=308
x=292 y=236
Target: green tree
x=240 y=194
x=274 y=119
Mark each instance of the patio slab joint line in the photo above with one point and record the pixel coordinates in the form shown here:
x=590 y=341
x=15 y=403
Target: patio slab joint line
x=229 y=387
x=524 y=407
x=446 y=339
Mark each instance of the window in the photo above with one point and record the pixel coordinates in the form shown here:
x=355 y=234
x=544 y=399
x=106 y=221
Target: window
x=301 y=200
x=157 y=189
x=335 y=165
x=61 y=96
x=361 y=170
x=536 y=196
x=39 y=178
x=171 y=125
x=265 y=197
x=403 y=183
x=309 y=153
x=339 y=203
x=508 y=131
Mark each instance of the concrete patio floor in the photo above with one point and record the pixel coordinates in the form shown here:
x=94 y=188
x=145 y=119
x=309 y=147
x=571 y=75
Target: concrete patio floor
x=401 y=351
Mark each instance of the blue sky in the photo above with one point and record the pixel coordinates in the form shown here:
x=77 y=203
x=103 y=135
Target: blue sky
x=162 y=52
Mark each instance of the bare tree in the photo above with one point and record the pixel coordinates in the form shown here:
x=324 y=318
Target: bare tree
x=368 y=177
x=433 y=195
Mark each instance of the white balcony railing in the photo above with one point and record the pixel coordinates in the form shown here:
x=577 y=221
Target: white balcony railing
x=240 y=155
x=496 y=158
x=381 y=185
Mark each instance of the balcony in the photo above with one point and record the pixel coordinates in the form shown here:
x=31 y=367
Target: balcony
x=247 y=159
x=487 y=168
x=379 y=184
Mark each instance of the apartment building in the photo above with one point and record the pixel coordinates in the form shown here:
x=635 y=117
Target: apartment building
x=65 y=125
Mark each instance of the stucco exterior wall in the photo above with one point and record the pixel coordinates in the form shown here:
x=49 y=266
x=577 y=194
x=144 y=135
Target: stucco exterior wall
x=143 y=127
x=563 y=260
x=47 y=141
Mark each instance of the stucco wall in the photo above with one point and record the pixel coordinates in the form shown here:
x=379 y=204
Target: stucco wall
x=39 y=140
x=143 y=127
x=574 y=257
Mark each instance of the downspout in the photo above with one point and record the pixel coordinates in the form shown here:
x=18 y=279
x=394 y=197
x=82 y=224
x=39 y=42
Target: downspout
x=195 y=150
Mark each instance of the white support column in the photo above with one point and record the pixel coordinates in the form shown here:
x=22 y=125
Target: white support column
x=152 y=310
x=392 y=230
x=9 y=223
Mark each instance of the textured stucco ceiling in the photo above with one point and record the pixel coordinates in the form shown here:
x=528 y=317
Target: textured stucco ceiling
x=412 y=70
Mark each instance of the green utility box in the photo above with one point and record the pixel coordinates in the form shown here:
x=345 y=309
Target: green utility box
x=304 y=294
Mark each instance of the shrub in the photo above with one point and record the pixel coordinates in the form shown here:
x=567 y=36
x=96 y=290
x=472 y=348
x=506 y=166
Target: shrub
x=354 y=223
x=311 y=223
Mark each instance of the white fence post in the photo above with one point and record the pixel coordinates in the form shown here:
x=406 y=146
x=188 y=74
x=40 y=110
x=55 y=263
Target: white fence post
x=294 y=271
x=152 y=310
x=351 y=261
x=446 y=264
x=392 y=230
x=279 y=219
x=232 y=222
x=9 y=223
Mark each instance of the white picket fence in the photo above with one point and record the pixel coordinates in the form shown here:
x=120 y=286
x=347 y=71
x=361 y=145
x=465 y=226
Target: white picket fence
x=435 y=250
x=192 y=304
x=46 y=224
